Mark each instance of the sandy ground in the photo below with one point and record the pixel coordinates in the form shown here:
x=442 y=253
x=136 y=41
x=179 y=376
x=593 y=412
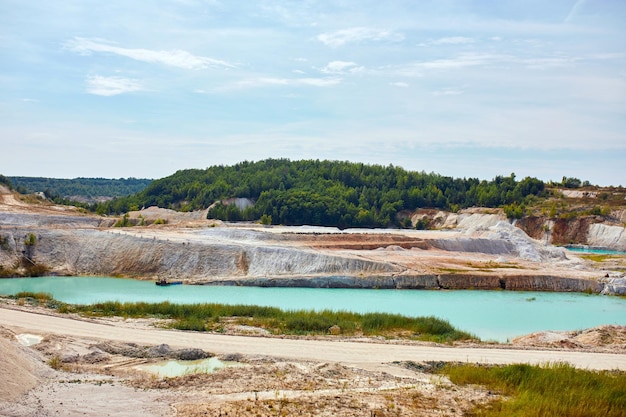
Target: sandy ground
x=280 y=376
x=69 y=374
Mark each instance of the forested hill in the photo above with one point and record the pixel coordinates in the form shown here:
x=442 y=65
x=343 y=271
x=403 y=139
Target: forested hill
x=80 y=189
x=329 y=193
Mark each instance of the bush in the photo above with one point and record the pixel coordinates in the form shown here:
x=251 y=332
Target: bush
x=513 y=211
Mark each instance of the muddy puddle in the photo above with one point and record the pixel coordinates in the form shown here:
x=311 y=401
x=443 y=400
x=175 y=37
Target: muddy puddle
x=174 y=368
x=27 y=339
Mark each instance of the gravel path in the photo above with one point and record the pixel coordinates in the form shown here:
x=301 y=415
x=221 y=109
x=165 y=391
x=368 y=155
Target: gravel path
x=364 y=355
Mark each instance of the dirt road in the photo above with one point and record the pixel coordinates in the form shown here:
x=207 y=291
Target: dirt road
x=365 y=355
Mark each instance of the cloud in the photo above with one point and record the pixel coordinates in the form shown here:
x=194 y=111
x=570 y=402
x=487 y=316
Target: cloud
x=452 y=40
x=111 y=86
x=544 y=63
x=399 y=84
x=273 y=81
x=573 y=10
x=174 y=58
x=417 y=69
x=447 y=92
x=358 y=34
x=341 y=67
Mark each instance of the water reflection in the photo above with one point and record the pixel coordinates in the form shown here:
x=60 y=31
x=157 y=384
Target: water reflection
x=173 y=368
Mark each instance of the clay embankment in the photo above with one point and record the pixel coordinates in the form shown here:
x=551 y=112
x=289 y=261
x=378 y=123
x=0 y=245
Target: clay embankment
x=585 y=230
x=481 y=251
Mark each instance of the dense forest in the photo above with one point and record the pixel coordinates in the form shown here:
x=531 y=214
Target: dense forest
x=79 y=189
x=329 y=193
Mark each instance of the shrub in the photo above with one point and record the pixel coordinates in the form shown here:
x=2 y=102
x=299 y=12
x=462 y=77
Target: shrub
x=513 y=211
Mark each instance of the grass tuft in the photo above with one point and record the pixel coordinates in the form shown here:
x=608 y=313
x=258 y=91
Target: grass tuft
x=553 y=390
x=202 y=317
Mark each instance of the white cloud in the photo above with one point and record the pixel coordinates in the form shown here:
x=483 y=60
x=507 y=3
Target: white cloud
x=452 y=40
x=574 y=10
x=544 y=63
x=272 y=81
x=447 y=92
x=174 y=58
x=341 y=67
x=417 y=69
x=111 y=86
x=399 y=84
x=358 y=34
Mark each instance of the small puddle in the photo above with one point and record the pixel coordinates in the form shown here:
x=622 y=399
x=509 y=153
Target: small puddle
x=173 y=368
x=26 y=339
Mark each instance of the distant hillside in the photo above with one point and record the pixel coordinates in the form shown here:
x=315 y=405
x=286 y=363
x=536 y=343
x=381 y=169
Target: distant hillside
x=329 y=193
x=86 y=190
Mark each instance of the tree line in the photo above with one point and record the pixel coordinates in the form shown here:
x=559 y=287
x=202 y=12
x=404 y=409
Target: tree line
x=62 y=190
x=325 y=193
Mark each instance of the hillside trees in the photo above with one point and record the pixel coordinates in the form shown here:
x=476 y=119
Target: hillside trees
x=330 y=193
x=61 y=190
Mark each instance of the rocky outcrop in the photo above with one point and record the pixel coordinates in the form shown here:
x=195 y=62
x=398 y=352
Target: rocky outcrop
x=469 y=281
x=37 y=220
x=550 y=283
x=591 y=230
x=461 y=281
x=584 y=230
x=93 y=252
x=606 y=236
x=489 y=234
x=421 y=282
x=614 y=285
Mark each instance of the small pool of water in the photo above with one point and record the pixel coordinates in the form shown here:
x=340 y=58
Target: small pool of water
x=592 y=250
x=27 y=339
x=173 y=368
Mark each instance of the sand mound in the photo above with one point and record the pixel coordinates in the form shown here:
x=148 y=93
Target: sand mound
x=610 y=337
x=21 y=369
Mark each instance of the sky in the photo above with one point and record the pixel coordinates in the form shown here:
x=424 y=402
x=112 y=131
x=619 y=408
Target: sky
x=467 y=88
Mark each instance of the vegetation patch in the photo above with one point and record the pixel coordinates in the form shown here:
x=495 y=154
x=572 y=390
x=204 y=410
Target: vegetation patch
x=323 y=193
x=489 y=266
x=35 y=299
x=596 y=257
x=211 y=317
x=553 y=390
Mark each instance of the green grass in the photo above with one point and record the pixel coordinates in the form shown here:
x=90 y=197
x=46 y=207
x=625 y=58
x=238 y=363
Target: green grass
x=597 y=257
x=553 y=390
x=42 y=296
x=201 y=317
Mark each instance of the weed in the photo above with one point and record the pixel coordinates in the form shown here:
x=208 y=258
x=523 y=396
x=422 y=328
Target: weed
x=55 y=362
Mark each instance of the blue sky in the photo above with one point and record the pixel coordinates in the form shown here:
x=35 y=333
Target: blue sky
x=462 y=88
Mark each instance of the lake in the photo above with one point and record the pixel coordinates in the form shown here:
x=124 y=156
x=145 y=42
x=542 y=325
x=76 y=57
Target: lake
x=491 y=315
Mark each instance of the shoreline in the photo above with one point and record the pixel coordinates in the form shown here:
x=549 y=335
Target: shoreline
x=433 y=282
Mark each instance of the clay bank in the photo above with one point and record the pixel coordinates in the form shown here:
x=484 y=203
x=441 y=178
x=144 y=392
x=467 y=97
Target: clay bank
x=472 y=251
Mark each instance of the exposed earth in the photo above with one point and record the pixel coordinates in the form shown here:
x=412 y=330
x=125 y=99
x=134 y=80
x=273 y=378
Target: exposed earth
x=87 y=368
x=476 y=248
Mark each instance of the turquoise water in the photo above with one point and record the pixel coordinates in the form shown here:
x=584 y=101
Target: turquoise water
x=491 y=315
x=594 y=251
